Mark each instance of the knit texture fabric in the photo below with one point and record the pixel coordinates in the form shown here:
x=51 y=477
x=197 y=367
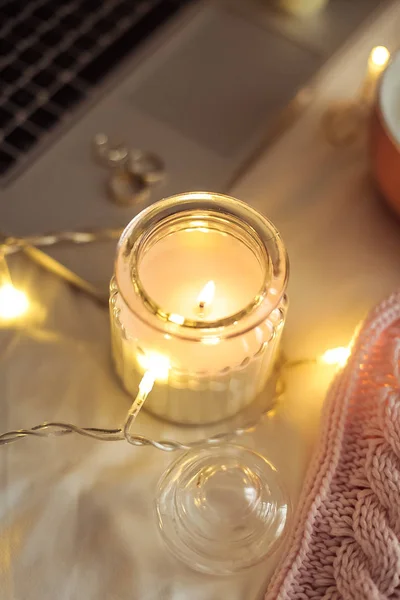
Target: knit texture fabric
x=345 y=544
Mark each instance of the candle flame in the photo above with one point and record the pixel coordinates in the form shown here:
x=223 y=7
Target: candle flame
x=206 y=295
x=379 y=56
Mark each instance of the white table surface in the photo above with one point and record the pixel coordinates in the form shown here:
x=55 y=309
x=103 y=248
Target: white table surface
x=76 y=516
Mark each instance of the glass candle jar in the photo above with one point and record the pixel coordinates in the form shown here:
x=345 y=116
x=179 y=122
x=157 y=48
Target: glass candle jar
x=199 y=289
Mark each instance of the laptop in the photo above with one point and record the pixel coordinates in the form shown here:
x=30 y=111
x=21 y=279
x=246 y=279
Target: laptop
x=196 y=84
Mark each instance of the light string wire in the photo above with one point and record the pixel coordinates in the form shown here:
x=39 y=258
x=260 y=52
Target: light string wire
x=12 y=245
x=58 y=428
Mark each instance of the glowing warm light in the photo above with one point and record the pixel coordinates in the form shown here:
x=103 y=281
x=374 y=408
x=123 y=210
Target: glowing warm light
x=211 y=341
x=206 y=295
x=379 y=56
x=13 y=302
x=146 y=384
x=157 y=365
x=178 y=319
x=336 y=356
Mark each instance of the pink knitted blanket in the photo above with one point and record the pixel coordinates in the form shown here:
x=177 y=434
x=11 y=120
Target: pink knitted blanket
x=345 y=544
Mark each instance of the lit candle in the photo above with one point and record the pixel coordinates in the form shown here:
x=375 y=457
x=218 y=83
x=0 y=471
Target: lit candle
x=199 y=280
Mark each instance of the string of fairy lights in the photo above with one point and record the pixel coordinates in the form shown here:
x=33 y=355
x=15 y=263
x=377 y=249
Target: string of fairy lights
x=15 y=304
x=14 y=308
x=341 y=127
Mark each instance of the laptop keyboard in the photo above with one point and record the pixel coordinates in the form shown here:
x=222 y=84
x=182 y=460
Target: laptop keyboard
x=52 y=55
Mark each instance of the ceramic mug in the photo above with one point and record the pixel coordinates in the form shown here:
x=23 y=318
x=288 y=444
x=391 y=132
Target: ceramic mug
x=385 y=135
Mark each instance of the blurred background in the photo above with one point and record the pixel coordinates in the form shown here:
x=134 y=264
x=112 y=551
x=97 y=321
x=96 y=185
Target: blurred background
x=106 y=106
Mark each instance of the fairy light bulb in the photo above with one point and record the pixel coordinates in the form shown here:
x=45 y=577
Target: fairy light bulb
x=378 y=58
x=336 y=356
x=156 y=367
x=13 y=302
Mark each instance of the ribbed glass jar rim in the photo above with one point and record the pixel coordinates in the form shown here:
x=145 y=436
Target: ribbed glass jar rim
x=201 y=210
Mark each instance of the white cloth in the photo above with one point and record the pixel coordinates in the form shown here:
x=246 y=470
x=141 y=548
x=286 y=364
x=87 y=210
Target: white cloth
x=76 y=515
